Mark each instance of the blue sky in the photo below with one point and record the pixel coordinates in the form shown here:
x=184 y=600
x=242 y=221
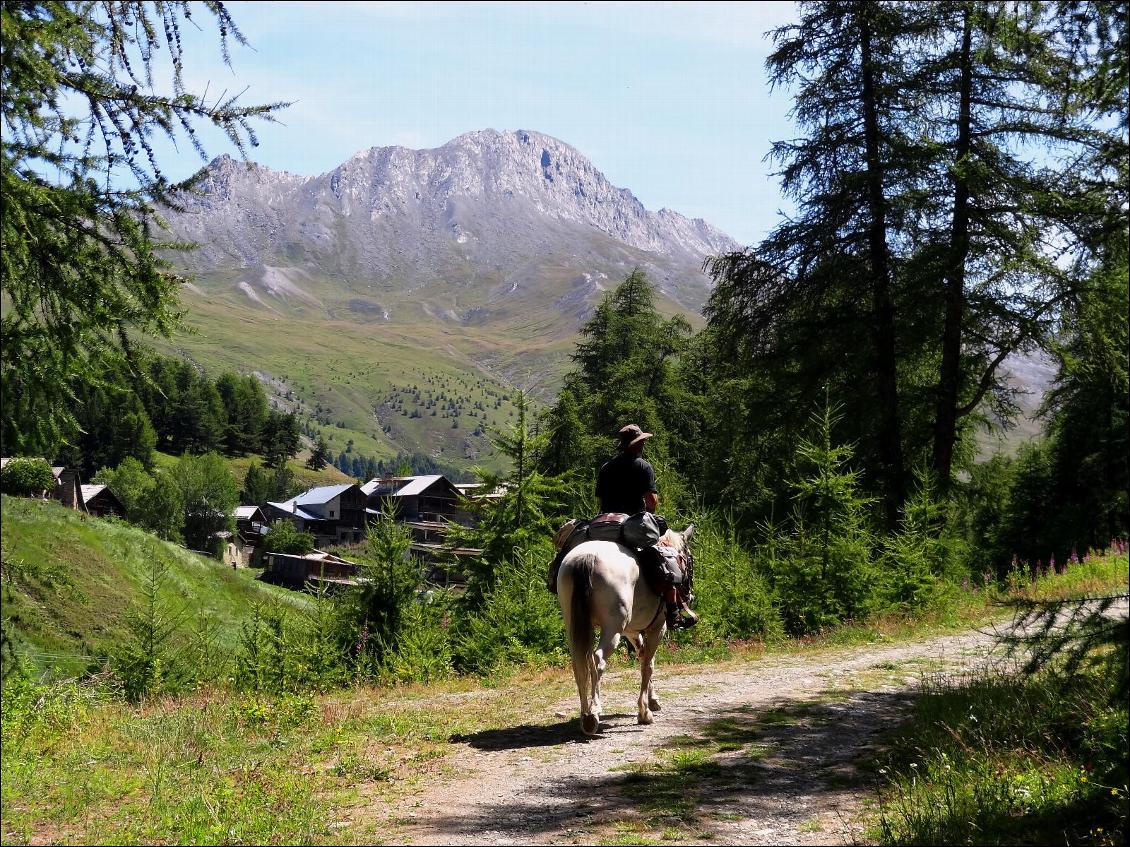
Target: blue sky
x=667 y=99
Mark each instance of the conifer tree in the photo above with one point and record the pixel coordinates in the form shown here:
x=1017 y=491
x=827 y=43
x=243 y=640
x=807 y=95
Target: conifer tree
x=1013 y=187
x=527 y=512
x=281 y=437
x=845 y=174
x=82 y=186
x=257 y=486
x=626 y=371
x=320 y=456
x=957 y=160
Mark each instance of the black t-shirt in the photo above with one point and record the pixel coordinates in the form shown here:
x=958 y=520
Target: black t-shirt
x=622 y=483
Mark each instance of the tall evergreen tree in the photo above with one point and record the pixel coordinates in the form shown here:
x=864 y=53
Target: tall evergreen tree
x=847 y=175
x=79 y=271
x=627 y=370
x=320 y=456
x=955 y=156
x=258 y=486
x=527 y=512
x=1004 y=208
x=1090 y=415
x=245 y=411
x=281 y=438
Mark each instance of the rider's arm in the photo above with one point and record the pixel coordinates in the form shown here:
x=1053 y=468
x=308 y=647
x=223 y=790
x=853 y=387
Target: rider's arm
x=651 y=490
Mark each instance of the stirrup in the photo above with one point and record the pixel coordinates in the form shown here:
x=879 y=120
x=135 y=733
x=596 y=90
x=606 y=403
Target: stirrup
x=680 y=617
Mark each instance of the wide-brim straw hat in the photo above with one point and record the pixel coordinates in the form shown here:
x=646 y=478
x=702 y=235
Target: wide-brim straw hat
x=632 y=435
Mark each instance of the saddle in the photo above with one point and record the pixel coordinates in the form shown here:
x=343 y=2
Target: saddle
x=661 y=566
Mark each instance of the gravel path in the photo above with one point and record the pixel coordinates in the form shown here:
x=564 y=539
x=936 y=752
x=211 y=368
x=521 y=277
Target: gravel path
x=810 y=720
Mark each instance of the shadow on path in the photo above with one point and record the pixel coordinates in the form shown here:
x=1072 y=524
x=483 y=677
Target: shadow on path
x=532 y=735
x=773 y=765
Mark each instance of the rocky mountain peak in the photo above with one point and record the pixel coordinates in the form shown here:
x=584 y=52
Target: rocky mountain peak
x=499 y=210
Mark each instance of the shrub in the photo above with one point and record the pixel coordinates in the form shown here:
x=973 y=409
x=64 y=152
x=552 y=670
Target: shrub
x=917 y=557
x=283 y=537
x=375 y=614
x=27 y=477
x=150 y=661
x=209 y=493
x=730 y=592
x=131 y=484
x=820 y=561
x=281 y=651
x=518 y=623
x=423 y=651
x=263 y=662
x=163 y=511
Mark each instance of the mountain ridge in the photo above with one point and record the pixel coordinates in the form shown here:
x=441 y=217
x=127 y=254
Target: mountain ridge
x=489 y=214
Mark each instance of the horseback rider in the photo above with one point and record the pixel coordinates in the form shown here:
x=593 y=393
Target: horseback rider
x=626 y=484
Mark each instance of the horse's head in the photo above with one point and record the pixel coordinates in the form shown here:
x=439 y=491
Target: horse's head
x=681 y=541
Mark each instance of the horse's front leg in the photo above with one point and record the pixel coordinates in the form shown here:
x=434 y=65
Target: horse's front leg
x=650 y=644
x=647 y=702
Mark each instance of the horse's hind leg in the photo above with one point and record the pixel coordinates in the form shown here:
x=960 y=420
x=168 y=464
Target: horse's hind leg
x=582 y=673
x=609 y=639
x=580 y=651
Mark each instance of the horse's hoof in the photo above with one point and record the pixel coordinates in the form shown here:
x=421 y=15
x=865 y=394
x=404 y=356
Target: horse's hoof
x=645 y=718
x=590 y=724
x=654 y=705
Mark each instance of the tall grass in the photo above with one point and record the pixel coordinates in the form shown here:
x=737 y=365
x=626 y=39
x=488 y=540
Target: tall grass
x=1004 y=758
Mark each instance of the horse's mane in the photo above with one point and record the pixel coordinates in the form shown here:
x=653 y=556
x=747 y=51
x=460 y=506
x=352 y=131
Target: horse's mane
x=672 y=539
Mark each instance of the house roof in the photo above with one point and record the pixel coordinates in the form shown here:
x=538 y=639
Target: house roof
x=418 y=485
x=89 y=492
x=322 y=494
x=289 y=506
x=241 y=512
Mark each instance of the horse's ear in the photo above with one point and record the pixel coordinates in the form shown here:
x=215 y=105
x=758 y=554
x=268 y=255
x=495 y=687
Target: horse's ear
x=688 y=532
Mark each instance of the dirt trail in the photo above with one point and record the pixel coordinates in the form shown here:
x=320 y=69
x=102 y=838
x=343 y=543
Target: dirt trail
x=785 y=736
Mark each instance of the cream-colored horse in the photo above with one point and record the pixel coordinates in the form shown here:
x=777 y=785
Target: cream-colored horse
x=599 y=585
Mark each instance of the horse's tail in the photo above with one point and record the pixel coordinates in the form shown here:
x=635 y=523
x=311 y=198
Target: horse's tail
x=580 y=619
x=581 y=636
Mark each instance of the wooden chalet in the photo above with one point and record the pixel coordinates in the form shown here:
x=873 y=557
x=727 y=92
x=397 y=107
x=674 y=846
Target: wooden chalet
x=425 y=504
x=427 y=499
x=250 y=523
x=318 y=569
x=101 y=501
x=334 y=514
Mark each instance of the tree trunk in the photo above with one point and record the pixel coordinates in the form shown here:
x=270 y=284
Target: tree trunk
x=949 y=377
x=883 y=312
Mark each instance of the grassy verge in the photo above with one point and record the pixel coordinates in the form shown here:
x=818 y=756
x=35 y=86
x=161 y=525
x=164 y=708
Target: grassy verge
x=1008 y=759
x=1003 y=757
x=70 y=582
x=220 y=767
